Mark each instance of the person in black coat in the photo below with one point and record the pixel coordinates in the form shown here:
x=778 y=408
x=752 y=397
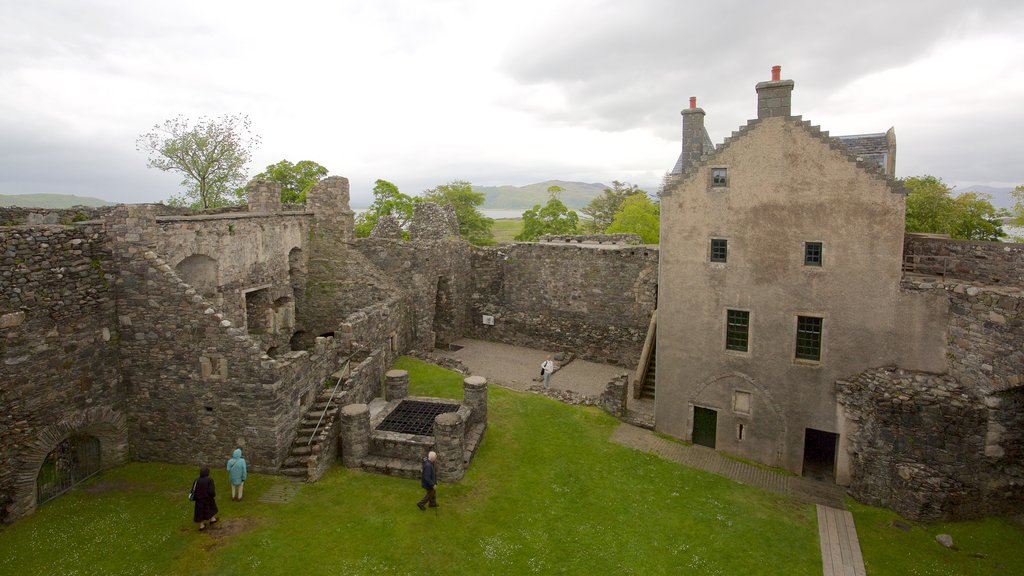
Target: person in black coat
x=206 y=505
x=429 y=481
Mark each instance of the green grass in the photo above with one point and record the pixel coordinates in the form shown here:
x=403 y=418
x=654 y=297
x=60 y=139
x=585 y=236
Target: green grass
x=506 y=229
x=546 y=494
x=988 y=546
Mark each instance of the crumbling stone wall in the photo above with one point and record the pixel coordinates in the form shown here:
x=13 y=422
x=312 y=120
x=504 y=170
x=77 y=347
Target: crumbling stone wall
x=593 y=300
x=19 y=216
x=920 y=445
x=437 y=277
x=987 y=262
x=58 y=346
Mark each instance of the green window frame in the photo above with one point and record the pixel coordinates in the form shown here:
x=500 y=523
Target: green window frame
x=719 y=250
x=808 y=337
x=812 y=253
x=737 y=330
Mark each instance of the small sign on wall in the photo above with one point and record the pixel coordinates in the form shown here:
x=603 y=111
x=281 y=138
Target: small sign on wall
x=488 y=320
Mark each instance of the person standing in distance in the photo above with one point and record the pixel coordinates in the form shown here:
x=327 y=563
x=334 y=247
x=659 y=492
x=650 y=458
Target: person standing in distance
x=429 y=481
x=546 y=368
x=237 y=473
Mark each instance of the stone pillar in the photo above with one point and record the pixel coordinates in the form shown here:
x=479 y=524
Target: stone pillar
x=474 y=395
x=355 y=434
x=449 y=431
x=396 y=384
x=263 y=196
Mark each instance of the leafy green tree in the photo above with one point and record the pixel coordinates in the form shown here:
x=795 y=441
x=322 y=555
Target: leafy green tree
x=295 y=179
x=387 y=200
x=929 y=205
x=974 y=218
x=459 y=194
x=932 y=208
x=552 y=218
x=1018 y=206
x=211 y=155
x=638 y=215
x=602 y=209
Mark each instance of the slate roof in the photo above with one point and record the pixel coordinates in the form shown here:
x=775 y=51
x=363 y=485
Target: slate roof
x=708 y=148
x=872 y=148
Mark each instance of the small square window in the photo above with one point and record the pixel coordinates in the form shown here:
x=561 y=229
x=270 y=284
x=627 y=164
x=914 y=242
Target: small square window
x=808 y=337
x=737 y=330
x=812 y=254
x=719 y=177
x=719 y=249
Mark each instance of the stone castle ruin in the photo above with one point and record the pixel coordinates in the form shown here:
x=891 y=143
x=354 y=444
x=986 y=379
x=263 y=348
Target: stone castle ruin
x=172 y=335
x=150 y=333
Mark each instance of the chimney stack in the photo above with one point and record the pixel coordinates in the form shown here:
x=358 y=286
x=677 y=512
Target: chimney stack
x=775 y=98
x=693 y=134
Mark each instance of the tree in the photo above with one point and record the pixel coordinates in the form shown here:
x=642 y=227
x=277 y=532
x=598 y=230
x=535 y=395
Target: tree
x=552 y=218
x=211 y=156
x=929 y=205
x=602 y=209
x=932 y=208
x=459 y=194
x=1018 y=206
x=638 y=215
x=387 y=200
x=295 y=179
x=974 y=218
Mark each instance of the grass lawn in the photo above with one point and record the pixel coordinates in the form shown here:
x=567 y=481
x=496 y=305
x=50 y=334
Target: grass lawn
x=506 y=229
x=546 y=494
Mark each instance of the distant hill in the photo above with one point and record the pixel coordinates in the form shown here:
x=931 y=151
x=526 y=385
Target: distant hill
x=1000 y=196
x=575 y=195
x=50 y=200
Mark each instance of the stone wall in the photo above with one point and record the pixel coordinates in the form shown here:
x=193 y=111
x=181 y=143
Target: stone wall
x=58 y=344
x=923 y=445
x=17 y=215
x=987 y=262
x=593 y=300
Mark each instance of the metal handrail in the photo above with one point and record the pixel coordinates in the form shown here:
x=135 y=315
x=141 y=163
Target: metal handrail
x=344 y=364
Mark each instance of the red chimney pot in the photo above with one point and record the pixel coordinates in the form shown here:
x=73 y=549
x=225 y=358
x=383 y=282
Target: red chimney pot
x=693 y=102
x=776 y=72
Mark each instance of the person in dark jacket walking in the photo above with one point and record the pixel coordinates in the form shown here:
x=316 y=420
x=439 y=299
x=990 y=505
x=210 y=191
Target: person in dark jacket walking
x=206 y=505
x=429 y=481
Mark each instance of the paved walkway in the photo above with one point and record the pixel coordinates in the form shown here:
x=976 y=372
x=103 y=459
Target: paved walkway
x=516 y=367
x=802 y=489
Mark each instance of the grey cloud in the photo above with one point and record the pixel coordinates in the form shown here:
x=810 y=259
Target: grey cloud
x=618 y=62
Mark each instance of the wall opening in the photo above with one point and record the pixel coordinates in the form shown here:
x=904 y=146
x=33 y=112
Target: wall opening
x=444 y=315
x=705 y=426
x=300 y=341
x=200 y=272
x=73 y=460
x=820 y=454
x=297 y=278
x=259 y=311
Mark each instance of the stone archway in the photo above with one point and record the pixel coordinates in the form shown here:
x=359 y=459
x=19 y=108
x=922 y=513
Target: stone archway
x=201 y=272
x=108 y=426
x=748 y=412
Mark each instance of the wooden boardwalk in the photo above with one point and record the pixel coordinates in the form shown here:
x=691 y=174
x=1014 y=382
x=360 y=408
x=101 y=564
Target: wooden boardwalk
x=840 y=548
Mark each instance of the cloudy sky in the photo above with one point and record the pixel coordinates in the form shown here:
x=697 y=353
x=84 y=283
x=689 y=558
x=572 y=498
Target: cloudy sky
x=422 y=92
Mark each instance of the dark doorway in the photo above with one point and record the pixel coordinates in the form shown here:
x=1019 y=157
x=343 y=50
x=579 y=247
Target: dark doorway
x=69 y=463
x=705 y=426
x=820 y=454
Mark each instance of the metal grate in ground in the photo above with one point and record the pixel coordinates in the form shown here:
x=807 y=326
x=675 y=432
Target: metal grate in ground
x=415 y=417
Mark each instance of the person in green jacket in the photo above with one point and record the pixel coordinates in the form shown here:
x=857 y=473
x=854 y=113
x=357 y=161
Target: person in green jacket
x=237 y=474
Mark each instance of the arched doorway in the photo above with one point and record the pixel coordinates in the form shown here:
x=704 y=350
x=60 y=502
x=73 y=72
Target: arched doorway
x=74 y=459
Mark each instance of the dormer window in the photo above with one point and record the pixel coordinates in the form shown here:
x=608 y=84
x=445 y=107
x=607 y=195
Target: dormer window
x=719 y=177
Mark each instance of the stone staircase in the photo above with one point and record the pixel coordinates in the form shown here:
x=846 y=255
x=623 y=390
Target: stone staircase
x=647 y=387
x=304 y=452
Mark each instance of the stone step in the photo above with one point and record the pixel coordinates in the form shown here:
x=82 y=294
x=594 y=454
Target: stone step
x=293 y=461
x=301 y=450
x=295 y=472
x=392 y=466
